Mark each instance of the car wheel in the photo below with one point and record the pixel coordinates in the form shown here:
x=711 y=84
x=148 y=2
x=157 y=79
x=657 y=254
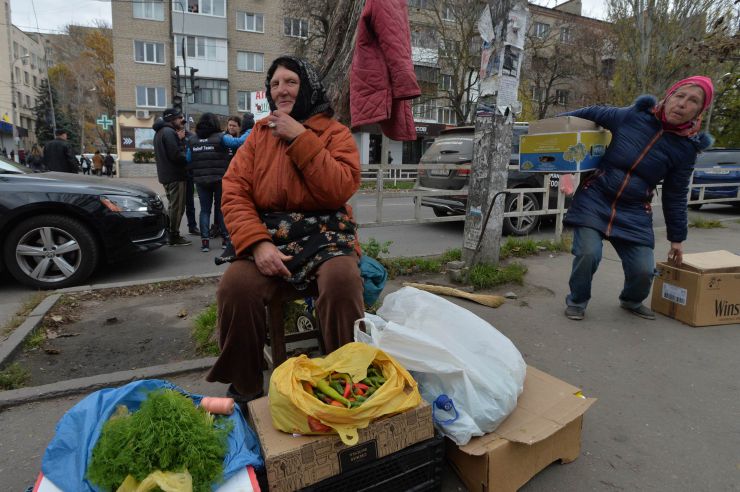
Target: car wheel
x=306 y=322
x=521 y=226
x=695 y=206
x=51 y=252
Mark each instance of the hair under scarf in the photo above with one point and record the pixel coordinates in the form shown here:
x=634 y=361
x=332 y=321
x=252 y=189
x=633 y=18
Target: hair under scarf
x=311 y=98
x=691 y=127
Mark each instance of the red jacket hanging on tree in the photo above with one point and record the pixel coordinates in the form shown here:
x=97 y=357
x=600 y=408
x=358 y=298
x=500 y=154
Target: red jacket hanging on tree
x=382 y=79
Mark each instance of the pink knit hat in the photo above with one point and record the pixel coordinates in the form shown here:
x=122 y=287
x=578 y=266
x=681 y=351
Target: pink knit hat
x=704 y=82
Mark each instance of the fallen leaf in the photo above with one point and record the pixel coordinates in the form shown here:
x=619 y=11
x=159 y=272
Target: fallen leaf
x=52 y=351
x=183 y=313
x=51 y=335
x=57 y=319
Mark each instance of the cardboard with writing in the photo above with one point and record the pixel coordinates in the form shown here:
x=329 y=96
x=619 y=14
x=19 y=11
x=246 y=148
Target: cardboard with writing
x=565 y=144
x=294 y=461
x=544 y=427
x=703 y=291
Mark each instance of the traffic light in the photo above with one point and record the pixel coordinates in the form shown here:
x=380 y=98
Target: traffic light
x=177 y=102
x=176 y=79
x=193 y=85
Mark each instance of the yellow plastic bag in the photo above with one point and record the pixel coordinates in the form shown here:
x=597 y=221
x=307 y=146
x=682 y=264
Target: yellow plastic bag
x=291 y=405
x=167 y=481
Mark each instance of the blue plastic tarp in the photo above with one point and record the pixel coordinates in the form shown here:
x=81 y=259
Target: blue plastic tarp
x=69 y=452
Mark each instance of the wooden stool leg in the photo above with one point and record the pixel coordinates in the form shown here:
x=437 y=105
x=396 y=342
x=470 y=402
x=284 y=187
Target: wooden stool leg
x=277 y=332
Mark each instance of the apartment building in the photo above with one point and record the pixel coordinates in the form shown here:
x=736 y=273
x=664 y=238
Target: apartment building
x=213 y=53
x=23 y=63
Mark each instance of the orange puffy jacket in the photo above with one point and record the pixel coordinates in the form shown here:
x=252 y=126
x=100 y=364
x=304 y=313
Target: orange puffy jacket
x=319 y=170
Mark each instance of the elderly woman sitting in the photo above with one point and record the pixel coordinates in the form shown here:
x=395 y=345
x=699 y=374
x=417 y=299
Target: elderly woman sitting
x=285 y=205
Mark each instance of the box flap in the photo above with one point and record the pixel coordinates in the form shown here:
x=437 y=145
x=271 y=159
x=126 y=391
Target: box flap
x=562 y=124
x=712 y=260
x=278 y=442
x=546 y=405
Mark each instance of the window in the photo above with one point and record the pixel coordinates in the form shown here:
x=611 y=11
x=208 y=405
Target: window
x=419 y=4
x=447 y=13
x=541 y=30
x=562 y=97
x=149 y=9
x=35 y=81
x=445 y=82
x=207 y=7
x=243 y=102
x=196 y=47
x=15 y=49
x=247 y=21
x=17 y=74
x=145 y=52
x=247 y=61
x=34 y=60
x=150 y=97
x=607 y=67
x=212 y=91
x=446 y=116
x=566 y=35
x=26 y=78
x=426 y=74
x=297 y=28
x=426 y=38
x=537 y=94
x=425 y=110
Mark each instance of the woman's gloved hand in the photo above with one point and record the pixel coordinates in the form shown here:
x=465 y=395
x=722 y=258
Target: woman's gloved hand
x=269 y=260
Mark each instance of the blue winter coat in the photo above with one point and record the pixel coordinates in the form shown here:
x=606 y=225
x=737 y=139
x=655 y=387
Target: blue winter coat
x=615 y=200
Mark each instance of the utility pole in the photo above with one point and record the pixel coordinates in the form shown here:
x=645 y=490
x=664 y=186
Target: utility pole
x=502 y=27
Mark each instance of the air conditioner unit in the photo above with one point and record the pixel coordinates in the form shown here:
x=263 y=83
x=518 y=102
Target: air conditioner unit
x=142 y=114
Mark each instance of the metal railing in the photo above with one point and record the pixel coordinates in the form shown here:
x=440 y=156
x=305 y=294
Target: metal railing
x=386 y=175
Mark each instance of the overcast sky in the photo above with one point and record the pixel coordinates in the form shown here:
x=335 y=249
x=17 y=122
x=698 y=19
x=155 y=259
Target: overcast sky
x=53 y=15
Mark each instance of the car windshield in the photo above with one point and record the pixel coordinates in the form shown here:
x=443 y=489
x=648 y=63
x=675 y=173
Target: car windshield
x=8 y=167
x=450 y=148
x=720 y=158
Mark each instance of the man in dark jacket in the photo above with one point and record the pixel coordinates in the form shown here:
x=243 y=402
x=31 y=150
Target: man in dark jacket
x=169 y=150
x=109 y=163
x=58 y=156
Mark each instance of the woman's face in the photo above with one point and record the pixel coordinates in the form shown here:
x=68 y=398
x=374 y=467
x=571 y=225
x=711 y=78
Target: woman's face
x=284 y=87
x=684 y=105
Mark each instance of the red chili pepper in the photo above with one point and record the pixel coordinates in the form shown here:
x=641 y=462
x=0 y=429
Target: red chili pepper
x=359 y=392
x=362 y=386
x=316 y=426
x=347 y=388
x=336 y=404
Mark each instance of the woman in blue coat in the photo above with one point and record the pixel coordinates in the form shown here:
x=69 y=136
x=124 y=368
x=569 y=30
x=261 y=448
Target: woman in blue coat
x=650 y=143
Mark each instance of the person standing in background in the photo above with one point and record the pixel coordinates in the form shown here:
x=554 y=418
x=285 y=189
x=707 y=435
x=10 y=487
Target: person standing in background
x=109 y=164
x=98 y=163
x=58 y=155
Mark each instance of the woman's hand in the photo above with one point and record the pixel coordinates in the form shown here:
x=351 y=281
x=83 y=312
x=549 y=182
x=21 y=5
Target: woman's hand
x=675 y=255
x=284 y=126
x=269 y=260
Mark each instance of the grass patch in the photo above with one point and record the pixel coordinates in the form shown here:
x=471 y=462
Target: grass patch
x=485 y=276
x=388 y=185
x=374 y=249
x=520 y=248
x=13 y=377
x=17 y=319
x=204 y=332
x=35 y=339
x=454 y=254
x=700 y=223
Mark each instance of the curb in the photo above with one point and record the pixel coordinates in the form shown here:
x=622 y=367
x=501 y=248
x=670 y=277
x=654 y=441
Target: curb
x=11 y=345
x=132 y=283
x=73 y=386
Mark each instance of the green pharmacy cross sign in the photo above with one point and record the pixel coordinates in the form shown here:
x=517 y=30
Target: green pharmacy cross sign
x=104 y=121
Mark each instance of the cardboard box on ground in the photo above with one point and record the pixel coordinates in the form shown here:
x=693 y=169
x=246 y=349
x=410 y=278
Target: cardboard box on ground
x=703 y=291
x=544 y=427
x=565 y=144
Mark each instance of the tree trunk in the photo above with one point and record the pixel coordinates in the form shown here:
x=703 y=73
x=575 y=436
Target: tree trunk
x=337 y=57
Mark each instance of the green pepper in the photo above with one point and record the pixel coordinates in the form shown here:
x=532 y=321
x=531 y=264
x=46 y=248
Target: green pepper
x=324 y=387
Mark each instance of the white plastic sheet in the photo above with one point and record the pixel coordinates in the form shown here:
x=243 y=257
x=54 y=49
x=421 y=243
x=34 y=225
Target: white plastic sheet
x=450 y=351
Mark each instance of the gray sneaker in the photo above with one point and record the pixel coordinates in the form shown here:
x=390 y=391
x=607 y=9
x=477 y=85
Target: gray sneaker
x=575 y=312
x=641 y=311
x=179 y=241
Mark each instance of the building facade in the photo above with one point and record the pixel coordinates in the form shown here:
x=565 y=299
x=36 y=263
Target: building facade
x=23 y=59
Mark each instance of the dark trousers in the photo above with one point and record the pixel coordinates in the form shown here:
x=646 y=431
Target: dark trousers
x=190 y=204
x=176 y=201
x=209 y=195
x=242 y=296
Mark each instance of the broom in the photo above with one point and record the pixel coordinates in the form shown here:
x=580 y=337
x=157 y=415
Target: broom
x=485 y=299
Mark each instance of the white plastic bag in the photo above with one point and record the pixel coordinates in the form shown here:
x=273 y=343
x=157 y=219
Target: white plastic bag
x=468 y=370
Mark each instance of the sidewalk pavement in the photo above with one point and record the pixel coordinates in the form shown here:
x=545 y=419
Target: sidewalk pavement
x=666 y=419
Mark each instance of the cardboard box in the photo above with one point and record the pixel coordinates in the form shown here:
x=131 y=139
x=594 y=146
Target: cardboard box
x=544 y=427
x=562 y=145
x=293 y=461
x=704 y=291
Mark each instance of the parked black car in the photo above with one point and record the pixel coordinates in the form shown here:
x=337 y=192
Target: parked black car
x=455 y=146
x=55 y=228
x=720 y=167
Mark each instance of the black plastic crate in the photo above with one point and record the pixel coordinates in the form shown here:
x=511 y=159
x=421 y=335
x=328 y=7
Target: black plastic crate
x=414 y=469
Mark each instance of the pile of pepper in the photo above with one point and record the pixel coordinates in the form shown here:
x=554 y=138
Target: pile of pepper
x=339 y=390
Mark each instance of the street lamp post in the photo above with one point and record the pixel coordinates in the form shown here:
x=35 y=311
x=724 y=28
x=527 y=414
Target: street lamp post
x=16 y=136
